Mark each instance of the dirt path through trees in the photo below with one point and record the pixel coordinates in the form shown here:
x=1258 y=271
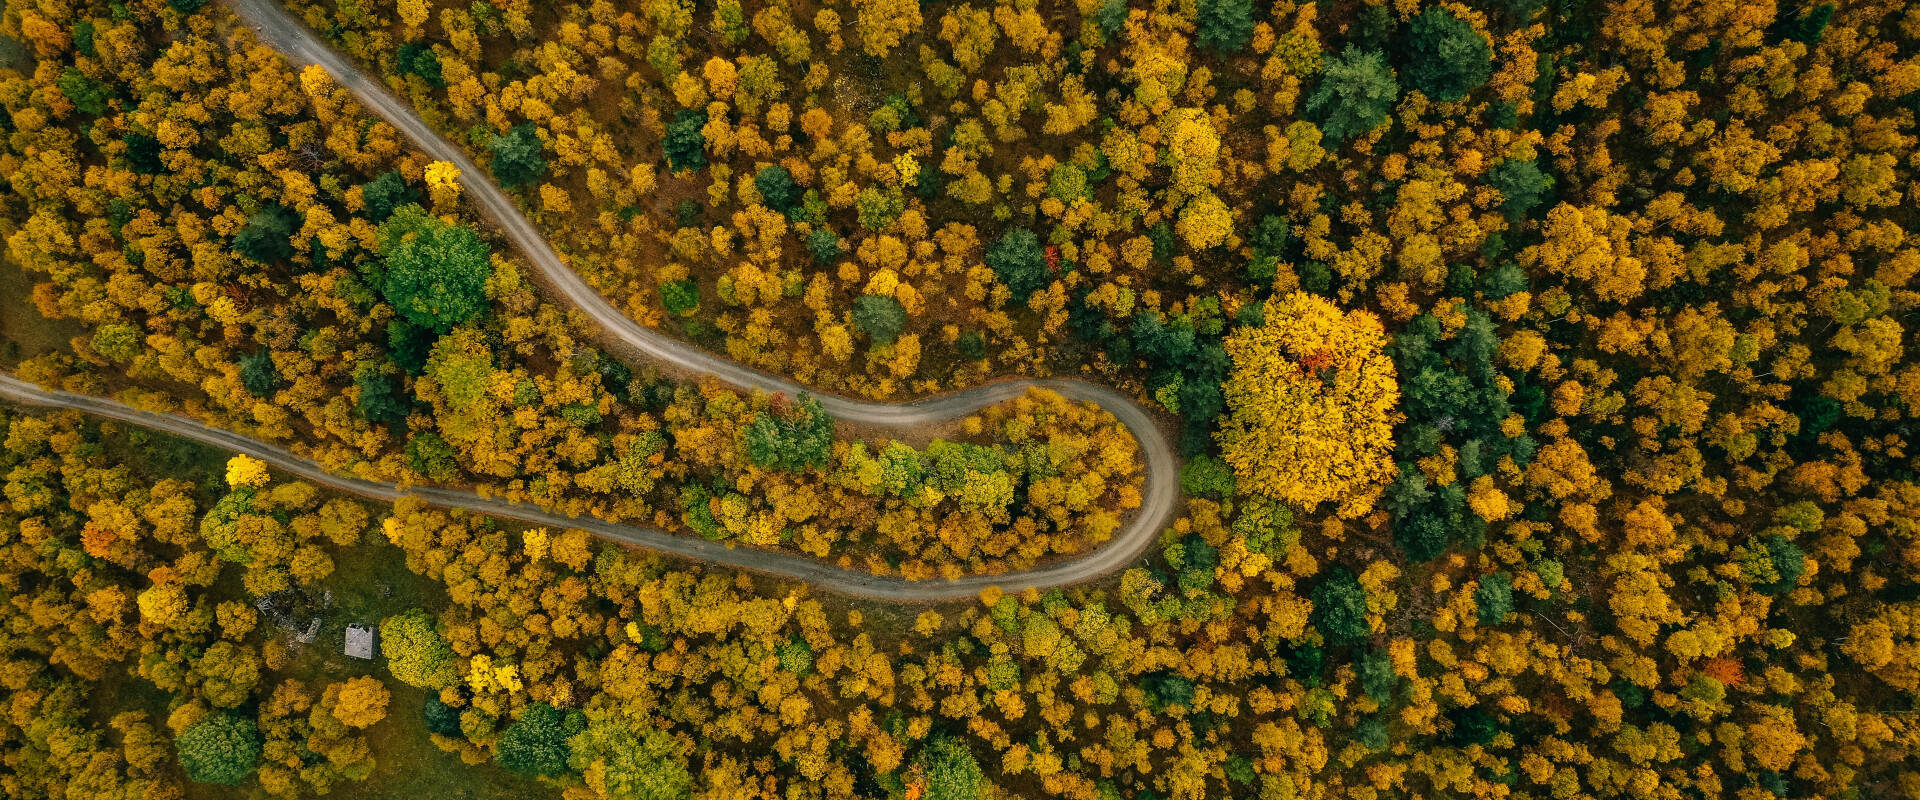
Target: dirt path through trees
x=627 y=338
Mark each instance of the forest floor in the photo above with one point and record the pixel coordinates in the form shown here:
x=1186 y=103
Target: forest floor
x=23 y=332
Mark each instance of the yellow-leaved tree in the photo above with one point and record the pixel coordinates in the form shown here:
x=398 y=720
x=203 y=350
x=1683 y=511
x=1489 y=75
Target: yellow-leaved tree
x=1312 y=405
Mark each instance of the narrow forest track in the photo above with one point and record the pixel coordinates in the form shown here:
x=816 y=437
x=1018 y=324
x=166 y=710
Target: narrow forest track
x=622 y=335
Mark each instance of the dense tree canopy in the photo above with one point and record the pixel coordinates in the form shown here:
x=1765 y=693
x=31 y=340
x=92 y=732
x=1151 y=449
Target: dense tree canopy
x=1636 y=522
x=1312 y=401
x=799 y=440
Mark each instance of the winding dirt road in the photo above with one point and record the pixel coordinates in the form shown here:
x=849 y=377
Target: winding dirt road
x=624 y=336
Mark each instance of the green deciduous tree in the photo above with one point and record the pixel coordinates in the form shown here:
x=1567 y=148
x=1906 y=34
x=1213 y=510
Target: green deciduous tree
x=636 y=765
x=436 y=272
x=535 y=744
x=680 y=297
x=952 y=773
x=221 y=748
x=432 y=456
x=878 y=209
x=416 y=653
x=220 y=528
x=118 y=341
x=87 y=94
x=1206 y=475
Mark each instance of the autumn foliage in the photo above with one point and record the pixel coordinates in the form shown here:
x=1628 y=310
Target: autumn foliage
x=1312 y=399
x=1539 y=371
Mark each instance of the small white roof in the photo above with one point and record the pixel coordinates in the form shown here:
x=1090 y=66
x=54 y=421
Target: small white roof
x=360 y=641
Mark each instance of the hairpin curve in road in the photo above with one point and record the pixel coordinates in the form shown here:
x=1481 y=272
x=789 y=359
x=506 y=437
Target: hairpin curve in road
x=622 y=335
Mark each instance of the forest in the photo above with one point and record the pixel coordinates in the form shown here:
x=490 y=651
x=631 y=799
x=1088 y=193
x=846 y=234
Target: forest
x=1536 y=371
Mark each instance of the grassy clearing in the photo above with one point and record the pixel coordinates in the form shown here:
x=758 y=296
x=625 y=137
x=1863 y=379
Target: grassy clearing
x=370 y=582
x=23 y=332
